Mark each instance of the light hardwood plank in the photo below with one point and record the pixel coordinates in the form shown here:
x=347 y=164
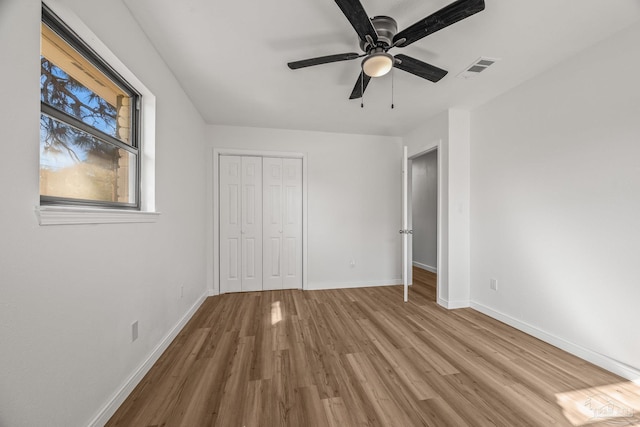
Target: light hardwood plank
x=362 y=357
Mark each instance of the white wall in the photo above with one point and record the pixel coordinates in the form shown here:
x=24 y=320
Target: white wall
x=424 y=196
x=354 y=201
x=459 y=200
x=555 y=198
x=68 y=294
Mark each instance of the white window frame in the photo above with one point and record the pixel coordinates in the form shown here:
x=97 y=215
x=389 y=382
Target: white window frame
x=66 y=215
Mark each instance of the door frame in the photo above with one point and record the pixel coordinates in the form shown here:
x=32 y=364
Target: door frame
x=415 y=154
x=217 y=152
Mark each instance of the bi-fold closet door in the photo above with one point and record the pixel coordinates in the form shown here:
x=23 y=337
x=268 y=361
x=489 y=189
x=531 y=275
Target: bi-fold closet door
x=282 y=223
x=240 y=224
x=260 y=202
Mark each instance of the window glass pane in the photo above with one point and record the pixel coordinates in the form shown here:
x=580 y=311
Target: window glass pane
x=77 y=165
x=72 y=84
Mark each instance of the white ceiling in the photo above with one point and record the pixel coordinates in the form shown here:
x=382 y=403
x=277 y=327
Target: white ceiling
x=230 y=57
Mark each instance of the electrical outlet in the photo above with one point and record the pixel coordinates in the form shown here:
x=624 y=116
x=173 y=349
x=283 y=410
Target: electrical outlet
x=134 y=331
x=493 y=284
x=181 y=292
x=352 y=263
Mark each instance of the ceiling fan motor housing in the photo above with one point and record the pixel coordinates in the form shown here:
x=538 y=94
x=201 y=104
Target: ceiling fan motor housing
x=386 y=27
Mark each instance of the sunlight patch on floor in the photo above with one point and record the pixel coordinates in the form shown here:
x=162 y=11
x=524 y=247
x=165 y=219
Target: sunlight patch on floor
x=276 y=313
x=612 y=404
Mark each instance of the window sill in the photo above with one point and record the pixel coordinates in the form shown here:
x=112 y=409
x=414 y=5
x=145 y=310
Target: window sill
x=64 y=215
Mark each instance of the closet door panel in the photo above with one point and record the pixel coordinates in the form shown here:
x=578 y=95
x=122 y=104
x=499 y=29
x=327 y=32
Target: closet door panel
x=292 y=223
x=251 y=219
x=272 y=223
x=230 y=224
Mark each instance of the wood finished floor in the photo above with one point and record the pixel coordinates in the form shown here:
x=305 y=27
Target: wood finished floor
x=361 y=357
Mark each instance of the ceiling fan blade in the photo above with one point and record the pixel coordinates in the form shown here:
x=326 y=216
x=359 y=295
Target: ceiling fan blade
x=360 y=86
x=456 y=11
x=357 y=16
x=419 y=68
x=323 y=60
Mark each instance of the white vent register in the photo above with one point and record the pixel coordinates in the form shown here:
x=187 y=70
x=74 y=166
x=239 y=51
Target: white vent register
x=478 y=66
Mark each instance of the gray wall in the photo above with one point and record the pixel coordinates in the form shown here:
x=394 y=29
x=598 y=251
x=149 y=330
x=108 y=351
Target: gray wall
x=424 y=195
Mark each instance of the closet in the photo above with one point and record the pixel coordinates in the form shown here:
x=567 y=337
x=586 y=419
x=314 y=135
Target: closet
x=260 y=205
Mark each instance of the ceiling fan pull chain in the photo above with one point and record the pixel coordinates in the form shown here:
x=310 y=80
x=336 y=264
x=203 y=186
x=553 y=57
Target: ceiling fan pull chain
x=392 y=88
x=362 y=88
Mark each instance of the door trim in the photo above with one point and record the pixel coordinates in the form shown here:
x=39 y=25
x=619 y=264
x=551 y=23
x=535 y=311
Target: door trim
x=214 y=268
x=436 y=145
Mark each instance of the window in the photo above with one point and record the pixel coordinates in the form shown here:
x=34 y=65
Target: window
x=89 y=125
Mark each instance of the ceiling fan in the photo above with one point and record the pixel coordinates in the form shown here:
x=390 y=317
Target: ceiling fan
x=380 y=33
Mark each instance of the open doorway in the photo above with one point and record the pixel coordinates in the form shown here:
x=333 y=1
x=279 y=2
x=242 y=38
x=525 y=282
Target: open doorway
x=423 y=212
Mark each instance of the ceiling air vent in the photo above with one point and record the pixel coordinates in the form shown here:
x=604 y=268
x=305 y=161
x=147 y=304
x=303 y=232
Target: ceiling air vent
x=478 y=66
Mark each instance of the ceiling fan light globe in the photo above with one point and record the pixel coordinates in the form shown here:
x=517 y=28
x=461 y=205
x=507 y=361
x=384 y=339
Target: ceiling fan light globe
x=377 y=64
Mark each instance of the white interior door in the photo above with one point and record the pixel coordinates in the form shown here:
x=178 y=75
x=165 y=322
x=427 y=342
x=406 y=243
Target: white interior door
x=251 y=232
x=282 y=216
x=272 y=223
x=292 y=223
x=230 y=224
x=405 y=223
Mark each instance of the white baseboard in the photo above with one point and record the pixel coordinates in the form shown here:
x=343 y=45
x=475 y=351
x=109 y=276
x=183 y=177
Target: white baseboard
x=119 y=397
x=357 y=284
x=605 y=362
x=425 y=267
x=452 y=305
